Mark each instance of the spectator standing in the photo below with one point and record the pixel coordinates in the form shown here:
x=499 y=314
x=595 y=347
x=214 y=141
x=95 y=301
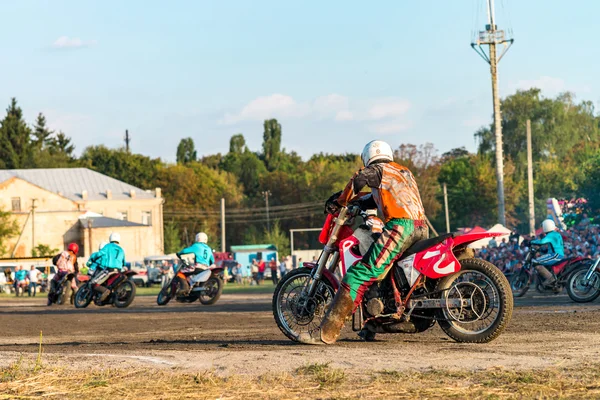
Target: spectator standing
x=289 y=265
x=262 y=266
x=254 y=271
x=34 y=277
x=282 y=267
x=273 y=268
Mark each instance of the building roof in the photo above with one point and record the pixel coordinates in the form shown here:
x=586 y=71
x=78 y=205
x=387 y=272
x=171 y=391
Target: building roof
x=71 y=182
x=253 y=247
x=105 y=222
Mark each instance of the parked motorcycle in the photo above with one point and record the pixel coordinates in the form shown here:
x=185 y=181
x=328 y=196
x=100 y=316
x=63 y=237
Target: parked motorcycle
x=583 y=284
x=64 y=293
x=207 y=288
x=522 y=279
x=435 y=280
x=122 y=291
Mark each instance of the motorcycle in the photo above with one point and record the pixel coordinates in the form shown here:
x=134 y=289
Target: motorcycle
x=122 y=291
x=64 y=293
x=435 y=280
x=583 y=284
x=207 y=288
x=528 y=275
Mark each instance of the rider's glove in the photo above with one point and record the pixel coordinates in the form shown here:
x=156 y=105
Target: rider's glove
x=331 y=205
x=374 y=223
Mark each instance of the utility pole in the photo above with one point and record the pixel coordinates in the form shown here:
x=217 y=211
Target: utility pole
x=127 y=140
x=223 y=225
x=493 y=37
x=33 y=225
x=446 y=207
x=530 y=181
x=267 y=193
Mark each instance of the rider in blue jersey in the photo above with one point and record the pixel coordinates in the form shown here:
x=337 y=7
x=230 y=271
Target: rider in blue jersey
x=556 y=251
x=203 y=257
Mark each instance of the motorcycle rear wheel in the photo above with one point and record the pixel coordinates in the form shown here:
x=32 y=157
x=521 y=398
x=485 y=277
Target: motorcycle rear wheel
x=164 y=296
x=84 y=296
x=488 y=291
x=519 y=283
x=214 y=289
x=124 y=294
x=293 y=312
x=580 y=291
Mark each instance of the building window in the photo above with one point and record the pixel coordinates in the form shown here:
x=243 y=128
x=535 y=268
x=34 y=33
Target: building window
x=16 y=204
x=122 y=215
x=147 y=217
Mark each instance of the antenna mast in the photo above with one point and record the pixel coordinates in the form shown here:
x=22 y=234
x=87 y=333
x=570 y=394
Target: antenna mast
x=493 y=37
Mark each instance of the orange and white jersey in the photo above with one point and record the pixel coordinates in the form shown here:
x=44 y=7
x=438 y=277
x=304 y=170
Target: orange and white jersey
x=393 y=187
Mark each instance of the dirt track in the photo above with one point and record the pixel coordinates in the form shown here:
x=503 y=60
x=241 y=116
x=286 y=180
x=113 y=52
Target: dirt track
x=238 y=335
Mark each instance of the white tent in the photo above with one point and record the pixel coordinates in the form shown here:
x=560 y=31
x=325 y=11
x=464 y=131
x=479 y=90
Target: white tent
x=498 y=228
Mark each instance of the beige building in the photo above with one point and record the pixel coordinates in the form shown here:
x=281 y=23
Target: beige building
x=57 y=206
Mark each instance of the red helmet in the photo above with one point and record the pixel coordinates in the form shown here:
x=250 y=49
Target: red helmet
x=74 y=248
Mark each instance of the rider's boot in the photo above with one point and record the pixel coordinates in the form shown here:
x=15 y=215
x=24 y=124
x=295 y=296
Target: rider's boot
x=367 y=334
x=105 y=292
x=184 y=287
x=547 y=275
x=334 y=320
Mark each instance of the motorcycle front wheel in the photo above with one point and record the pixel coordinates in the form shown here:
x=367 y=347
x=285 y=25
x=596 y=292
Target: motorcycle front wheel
x=294 y=311
x=477 y=302
x=124 y=294
x=213 y=290
x=164 y=296
x=84 y=296
x=580 y=290
x=520 y=283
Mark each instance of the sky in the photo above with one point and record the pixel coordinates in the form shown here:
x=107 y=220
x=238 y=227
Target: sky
x=336 y=74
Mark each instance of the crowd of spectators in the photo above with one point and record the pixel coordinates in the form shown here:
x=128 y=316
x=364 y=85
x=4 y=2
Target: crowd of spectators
x=581 y=240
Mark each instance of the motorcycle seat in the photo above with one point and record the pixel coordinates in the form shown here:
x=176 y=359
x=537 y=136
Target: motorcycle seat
x=426 y=243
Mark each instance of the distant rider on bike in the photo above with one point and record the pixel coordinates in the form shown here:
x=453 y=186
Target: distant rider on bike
x=556 y=251
x=111 y=260
x=94 y=261
x=395 y=194
x=66 y=263
x=203 y=258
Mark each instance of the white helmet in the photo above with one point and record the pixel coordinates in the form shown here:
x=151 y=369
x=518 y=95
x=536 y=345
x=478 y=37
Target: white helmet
x=376 y=150
x=102 y=244
x=202 y=237
x=114 y=237
x=548 y=226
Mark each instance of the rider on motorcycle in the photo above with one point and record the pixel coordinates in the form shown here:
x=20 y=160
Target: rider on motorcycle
x=111 y=260
x=395 y=194
x=94 y=262
x=556 y=252
x=203 y=258
x=66 y=263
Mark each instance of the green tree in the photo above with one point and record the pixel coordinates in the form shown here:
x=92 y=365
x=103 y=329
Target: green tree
x=61 y=145
x=186 y=151
x=237 y=144
x=135 y=169
x=278 y=238
x=43 y=250
x=41 y=133
x=8 y=229
x=15 y=139
x=271 y=142
x=590 y=181
x=172 y=238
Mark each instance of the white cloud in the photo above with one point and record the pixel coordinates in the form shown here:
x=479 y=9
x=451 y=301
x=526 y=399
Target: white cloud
x=273 y=106
x=388 y=128
x=344 y=115
x=389 y=108
x=65 y=42
x=545 y=83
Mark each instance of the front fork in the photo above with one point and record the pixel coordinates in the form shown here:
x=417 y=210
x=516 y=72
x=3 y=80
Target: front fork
x=590 y=272
x=329 y=256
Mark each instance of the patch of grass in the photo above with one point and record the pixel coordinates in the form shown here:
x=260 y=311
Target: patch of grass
x=311 y=381
x=323 y=374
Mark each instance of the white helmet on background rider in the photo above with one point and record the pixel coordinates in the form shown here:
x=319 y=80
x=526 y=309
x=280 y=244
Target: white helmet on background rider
x=376 y=150
x=202 y=237
x=102 y=244
x=548 y=226
x=114 y=237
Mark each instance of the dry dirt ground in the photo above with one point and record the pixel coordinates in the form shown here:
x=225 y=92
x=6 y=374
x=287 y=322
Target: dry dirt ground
x=238 y=336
